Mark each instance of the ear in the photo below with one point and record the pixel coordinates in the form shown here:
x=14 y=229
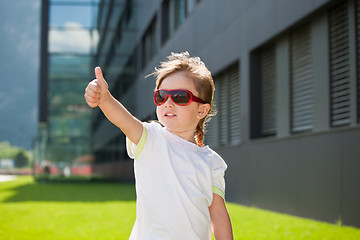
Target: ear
x=203 y=110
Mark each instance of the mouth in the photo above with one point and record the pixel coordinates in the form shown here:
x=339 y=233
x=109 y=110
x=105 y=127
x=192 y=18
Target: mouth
x=169 y=115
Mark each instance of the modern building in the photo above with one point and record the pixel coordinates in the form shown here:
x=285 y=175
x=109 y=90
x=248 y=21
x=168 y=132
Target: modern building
x=68 y=41
x=287 y=94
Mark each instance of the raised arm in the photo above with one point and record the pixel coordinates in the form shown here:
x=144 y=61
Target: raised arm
x=98 y=95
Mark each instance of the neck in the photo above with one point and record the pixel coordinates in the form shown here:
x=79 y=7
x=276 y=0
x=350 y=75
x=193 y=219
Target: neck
x=188 y=136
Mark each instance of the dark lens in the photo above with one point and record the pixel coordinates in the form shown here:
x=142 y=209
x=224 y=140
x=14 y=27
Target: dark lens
x=181 y=97
x=159 y=97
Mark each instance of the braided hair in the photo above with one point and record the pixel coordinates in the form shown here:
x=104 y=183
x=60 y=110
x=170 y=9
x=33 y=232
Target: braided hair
x=203 y=82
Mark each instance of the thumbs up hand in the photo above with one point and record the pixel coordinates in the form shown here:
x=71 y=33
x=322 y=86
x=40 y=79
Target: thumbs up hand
x=96 y=90
x=98 y=95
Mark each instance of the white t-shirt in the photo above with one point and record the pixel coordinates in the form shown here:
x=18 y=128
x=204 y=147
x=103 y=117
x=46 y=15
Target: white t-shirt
x=175 y=182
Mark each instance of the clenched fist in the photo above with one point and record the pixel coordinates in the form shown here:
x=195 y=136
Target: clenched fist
x=96 y=90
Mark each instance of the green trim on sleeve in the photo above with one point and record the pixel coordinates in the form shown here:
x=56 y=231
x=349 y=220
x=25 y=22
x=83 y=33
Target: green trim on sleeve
x=218 y=191
x=141 y=143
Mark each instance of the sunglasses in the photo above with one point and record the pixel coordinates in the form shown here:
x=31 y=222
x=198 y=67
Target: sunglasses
x=180 y=97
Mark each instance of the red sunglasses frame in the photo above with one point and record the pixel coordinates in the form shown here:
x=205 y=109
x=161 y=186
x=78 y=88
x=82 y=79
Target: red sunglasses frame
x=169 y=92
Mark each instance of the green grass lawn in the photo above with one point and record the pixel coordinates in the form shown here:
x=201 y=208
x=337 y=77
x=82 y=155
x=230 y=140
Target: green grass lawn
x=84 y=210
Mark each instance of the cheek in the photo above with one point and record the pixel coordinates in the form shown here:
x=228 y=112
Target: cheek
x=189 y=114
x=159 y=114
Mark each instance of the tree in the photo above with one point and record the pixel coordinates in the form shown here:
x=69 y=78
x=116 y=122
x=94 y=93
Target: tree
x=21 y=160
x=20 y=155
x=8 y=151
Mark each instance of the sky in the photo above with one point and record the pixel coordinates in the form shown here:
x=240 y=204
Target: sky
x=69 y=28
x=19 y=67
x=20 y=58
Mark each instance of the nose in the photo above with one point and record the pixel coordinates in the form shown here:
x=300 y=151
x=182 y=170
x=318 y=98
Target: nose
x=169 y=102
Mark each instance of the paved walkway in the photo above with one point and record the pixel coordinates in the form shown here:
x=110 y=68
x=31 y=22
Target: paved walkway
x=6 y=178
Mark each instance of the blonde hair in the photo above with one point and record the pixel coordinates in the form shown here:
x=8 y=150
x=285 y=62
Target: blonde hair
x=202 y=78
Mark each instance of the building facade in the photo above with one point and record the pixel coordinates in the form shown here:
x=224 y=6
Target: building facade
x=287 y=93
x=68 y=40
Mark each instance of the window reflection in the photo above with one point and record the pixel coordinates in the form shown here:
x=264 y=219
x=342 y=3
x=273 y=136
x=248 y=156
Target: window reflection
x=180 y=12
x=72 y=38
x=60 y=15
x=82 y=34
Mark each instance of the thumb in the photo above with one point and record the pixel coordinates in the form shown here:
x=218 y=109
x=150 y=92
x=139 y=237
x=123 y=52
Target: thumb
x=98 y=74
x=100 y=78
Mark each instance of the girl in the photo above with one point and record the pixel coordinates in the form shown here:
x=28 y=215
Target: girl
x=179 y=182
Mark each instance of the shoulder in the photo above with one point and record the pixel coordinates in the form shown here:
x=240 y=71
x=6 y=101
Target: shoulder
x=212 y=154
x=216 y=161
x=154 y=132
x=152 y=125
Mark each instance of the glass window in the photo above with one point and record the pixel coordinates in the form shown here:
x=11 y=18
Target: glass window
x=263 y=91
x=357 y=4
x=268 y=91
x=224 y=128
x=69 y=67
x=71 y=39
x=340 y=107
x=149 y=43
x=180 y=12
x=60 y=15
x=302 y=78
x=165 y=27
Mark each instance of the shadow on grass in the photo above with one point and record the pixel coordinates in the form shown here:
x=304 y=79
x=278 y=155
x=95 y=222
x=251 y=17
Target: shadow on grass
x=76 y=191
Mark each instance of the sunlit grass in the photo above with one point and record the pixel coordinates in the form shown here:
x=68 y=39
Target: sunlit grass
x=85 y=210
x=66 y=210
x=253 y=223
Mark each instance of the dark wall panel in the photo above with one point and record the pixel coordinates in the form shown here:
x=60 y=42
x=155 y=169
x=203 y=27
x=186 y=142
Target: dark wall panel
x=319 y=177
x=350 y=153
x=237 y=175
x=315 y=176
x=274 y=175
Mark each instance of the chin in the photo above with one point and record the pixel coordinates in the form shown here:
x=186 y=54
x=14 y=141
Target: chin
x=170 y=127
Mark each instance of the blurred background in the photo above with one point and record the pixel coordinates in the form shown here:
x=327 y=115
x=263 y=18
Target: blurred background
x=287 y=92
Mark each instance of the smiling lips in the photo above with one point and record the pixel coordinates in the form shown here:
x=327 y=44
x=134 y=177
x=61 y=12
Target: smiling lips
x=169 y=115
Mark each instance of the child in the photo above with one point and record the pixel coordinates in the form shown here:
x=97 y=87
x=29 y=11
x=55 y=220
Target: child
x=179 y=182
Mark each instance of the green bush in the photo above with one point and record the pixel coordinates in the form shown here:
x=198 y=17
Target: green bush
x=18 y=154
